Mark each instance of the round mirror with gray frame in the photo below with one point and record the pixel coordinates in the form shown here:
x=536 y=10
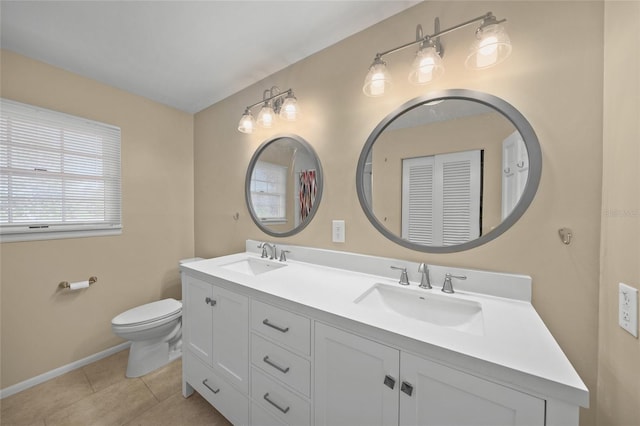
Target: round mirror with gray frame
x=449 y=171
x=283 y=186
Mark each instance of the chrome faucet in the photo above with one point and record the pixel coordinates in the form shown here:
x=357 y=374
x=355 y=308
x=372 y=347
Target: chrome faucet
x=425 y=280
x=283 y=255
x=447 y=287
x=264 y=254
x=404 y=279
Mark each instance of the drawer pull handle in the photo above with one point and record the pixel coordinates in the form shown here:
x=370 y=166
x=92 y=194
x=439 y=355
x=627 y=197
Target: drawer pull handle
x=266 y=398
x=210 y=301
x=274 y=365
x=280 y=329
x=204 y=382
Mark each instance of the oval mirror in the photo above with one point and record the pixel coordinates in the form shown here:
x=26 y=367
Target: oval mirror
x=283 y=186
x=449 y=171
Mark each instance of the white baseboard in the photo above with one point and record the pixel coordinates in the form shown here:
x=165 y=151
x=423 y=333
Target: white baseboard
x=18 y=387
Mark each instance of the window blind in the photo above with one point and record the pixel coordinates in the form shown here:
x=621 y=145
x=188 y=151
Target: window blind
x=268 y=191
x=59 y=174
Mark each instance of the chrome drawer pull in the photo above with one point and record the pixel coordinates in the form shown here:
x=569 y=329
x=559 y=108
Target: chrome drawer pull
x=204 y=382
x=280 y=329
x=274 y=365
x=266 y=398
x=210 y=301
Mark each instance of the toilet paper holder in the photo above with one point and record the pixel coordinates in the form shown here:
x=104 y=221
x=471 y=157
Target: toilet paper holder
x=65 y=284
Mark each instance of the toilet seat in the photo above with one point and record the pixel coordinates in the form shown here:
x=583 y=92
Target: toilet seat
x=166 y=309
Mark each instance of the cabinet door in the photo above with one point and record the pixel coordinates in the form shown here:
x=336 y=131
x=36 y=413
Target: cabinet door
x=197 y=315
x=350 y=374
x=230 y=347
x=443 y=396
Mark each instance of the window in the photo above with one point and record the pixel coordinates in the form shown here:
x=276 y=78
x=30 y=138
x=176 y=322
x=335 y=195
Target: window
x=59 y=175
x=268 y=192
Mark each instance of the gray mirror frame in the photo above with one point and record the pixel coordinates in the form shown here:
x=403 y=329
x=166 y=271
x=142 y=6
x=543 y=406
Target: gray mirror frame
x=247 y=185
x=507 y=110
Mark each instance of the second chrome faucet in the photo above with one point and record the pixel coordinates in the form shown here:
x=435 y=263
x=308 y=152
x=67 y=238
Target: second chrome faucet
x=264 y=246
x=425 y=279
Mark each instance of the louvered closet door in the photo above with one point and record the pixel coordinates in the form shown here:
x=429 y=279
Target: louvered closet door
x=441 y=198
x=460 y=173
x=417 y=200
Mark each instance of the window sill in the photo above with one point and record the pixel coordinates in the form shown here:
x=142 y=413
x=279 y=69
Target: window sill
x=57 y=235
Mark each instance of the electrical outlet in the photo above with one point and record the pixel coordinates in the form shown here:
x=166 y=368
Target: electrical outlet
x=628 y=308
x=338 y=235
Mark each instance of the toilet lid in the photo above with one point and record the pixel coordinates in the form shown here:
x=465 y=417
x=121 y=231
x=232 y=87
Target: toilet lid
x=150 y=312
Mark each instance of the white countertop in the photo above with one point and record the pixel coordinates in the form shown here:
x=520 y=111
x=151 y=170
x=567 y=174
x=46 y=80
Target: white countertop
x=515 y=338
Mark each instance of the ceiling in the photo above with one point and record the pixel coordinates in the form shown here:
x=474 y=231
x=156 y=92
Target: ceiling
x=185 y=54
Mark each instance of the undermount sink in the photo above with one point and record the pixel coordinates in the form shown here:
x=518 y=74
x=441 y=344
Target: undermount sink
x=425 y=305
x=252 y=266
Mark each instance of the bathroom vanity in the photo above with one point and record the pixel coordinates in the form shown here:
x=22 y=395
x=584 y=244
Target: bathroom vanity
x=330 y=338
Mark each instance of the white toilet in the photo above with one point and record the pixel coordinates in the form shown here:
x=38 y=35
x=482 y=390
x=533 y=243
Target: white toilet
x=155 y=332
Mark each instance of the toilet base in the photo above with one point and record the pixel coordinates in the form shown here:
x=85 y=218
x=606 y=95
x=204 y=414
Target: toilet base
x=145 y=357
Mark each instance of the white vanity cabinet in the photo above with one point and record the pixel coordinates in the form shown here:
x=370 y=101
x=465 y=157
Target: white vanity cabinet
x=291 y=345
x=362 y=382
x=216 y=346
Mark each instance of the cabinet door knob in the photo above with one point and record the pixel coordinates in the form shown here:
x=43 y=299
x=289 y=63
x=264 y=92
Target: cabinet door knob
x=389 y=381
x=210 y=301
x=406 y=388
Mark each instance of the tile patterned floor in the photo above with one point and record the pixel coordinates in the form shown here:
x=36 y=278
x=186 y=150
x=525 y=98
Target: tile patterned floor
x=99 y=394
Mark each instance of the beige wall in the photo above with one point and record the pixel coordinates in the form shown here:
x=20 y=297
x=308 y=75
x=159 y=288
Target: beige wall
x=554 y=77
x=619 y=352
x=43 y=328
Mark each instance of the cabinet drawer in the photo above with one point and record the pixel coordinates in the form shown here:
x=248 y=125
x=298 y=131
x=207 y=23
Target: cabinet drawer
x=287 y=367
x=225 y=398
x=282 y=326
x=260 y=417
x=275 y=399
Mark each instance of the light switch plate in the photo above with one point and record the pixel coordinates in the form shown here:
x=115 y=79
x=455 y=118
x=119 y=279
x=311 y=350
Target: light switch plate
x=628 y=308
x=338 y=234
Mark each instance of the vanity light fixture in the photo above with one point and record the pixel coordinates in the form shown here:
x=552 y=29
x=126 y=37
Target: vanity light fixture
x=492 y=46
x=274 y=103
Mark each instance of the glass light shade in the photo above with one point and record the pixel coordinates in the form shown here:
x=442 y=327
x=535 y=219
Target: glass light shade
x=492 y=46
x=266 y=116
x=426 y=66
x=378 y=80
x=290 y=111
x=247 y=123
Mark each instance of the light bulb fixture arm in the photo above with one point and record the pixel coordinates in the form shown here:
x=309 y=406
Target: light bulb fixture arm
x=269 y=96
x=425 y=39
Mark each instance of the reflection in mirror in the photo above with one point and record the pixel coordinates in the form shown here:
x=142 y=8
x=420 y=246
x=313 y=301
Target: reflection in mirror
x=283 y=185
x=449 y=172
